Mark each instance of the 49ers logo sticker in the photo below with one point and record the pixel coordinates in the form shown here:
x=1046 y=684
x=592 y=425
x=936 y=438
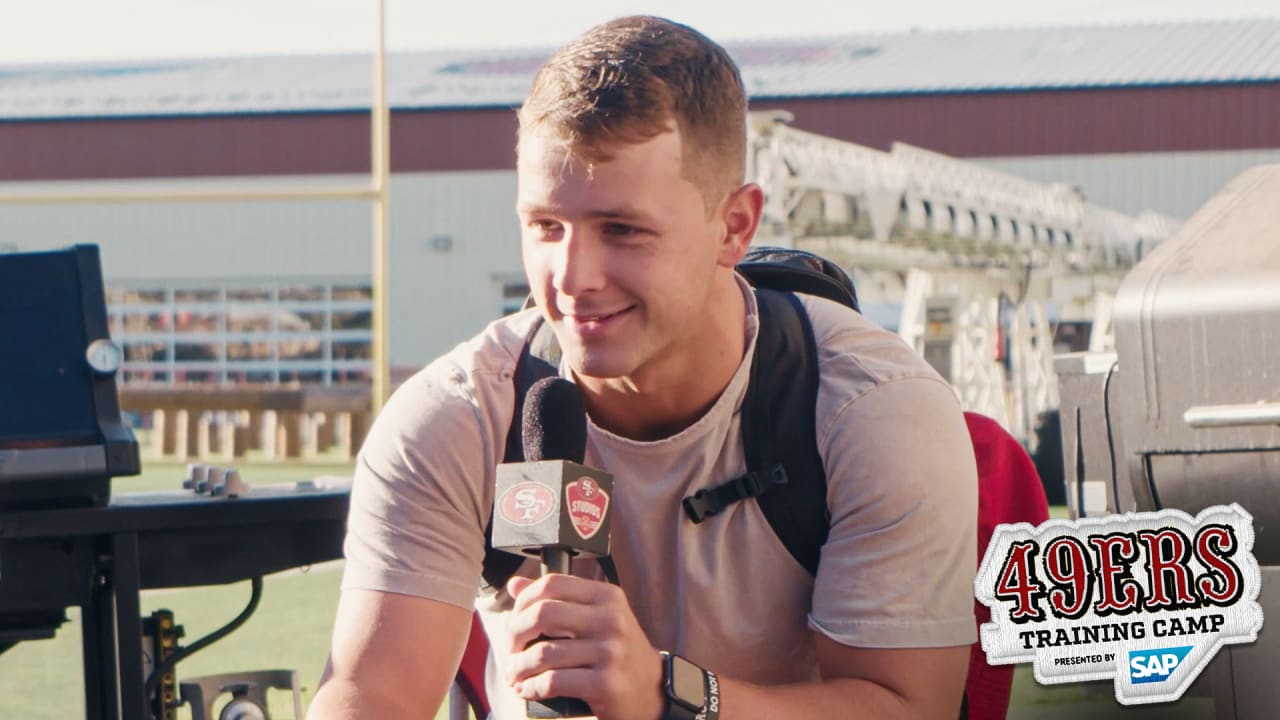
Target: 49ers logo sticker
x=527 y=503
x=1146 y=599
x=588 y=505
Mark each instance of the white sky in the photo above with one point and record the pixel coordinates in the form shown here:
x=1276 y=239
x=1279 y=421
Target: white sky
x=55 y=30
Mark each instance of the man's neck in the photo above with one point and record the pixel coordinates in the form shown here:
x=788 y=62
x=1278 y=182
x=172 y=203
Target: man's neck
x=668 y=396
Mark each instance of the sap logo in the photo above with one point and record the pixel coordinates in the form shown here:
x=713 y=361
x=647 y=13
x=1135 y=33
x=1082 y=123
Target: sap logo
x=1151 y=666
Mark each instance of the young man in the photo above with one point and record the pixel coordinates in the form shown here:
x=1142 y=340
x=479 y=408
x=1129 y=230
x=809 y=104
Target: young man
x=634 y=213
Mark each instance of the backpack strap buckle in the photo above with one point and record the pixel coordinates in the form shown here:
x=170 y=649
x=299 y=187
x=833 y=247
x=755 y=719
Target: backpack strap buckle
x=710 y=501
x=702 y=505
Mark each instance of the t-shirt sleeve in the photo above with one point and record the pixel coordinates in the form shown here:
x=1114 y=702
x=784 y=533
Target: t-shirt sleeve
x=423 y=484
x=898 y=566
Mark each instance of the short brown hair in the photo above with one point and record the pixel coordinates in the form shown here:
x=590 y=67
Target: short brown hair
x=625 y=82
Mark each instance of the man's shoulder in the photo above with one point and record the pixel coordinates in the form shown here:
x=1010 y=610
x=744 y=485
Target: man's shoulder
x=494 y=351
x=858 y=352
x=858 y=360
x=472 y=378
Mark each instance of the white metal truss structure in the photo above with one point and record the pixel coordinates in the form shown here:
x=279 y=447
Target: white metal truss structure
x=975 y=257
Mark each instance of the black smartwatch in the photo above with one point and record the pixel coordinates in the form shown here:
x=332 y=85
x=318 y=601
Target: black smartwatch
x=691 y=693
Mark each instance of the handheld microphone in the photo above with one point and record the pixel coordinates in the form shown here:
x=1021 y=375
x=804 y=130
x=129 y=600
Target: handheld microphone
x=552 y=506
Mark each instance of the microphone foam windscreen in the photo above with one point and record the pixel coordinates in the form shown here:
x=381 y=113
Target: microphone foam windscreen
x=554 y=426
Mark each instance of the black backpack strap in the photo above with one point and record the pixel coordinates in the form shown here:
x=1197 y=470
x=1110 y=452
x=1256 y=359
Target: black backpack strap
x=539 y=359
x=784 y=468
x=609 y=568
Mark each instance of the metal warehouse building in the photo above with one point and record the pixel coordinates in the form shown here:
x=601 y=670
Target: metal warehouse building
x=1153 y=117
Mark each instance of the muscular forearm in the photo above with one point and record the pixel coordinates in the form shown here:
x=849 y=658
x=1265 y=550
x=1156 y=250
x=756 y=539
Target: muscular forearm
x=842 y=697
x=341 y=701
x=345 y=700
x=915 y=683
x=393 y=656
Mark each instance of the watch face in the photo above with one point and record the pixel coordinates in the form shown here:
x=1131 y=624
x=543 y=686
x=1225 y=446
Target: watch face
x=687 y=683
x=104 y=356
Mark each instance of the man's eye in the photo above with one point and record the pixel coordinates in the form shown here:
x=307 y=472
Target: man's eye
x=545 y=227
x=620 y=230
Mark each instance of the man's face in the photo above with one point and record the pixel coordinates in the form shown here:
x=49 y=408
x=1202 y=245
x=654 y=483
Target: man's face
x=620 y=255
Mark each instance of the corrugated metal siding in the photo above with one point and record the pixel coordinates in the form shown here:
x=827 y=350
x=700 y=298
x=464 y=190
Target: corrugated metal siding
x=453 y=140
x=1064 y=122
x=1133 y=120
x=183 y=147
x=252 y=145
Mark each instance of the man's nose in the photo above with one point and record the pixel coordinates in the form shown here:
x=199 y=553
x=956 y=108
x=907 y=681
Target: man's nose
x=579 y=264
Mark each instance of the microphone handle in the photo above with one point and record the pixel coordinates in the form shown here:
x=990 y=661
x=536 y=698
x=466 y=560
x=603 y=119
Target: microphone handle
x=556 y=560
x=556 y=708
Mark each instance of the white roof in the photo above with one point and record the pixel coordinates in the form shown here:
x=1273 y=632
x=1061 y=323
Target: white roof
x=918 y=62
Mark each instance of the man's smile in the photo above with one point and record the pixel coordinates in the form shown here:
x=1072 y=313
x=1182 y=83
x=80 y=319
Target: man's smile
x=593 y=323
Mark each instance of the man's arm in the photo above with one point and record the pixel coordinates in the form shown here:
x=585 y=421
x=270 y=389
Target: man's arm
x=414 y=545
x=606 y=660
x=393 y=656
x=924 y=683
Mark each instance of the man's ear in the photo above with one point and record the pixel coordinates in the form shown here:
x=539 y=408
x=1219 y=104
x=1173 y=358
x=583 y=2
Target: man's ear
x=741 y=216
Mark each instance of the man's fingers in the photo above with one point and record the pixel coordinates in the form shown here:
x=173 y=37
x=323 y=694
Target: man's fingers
x=582 y=683
x=553 y=654
x=526 y=591
x=517 y=584
x=551 y=618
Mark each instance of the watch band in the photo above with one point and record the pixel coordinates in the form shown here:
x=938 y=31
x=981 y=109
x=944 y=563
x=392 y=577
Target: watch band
x=711 y=711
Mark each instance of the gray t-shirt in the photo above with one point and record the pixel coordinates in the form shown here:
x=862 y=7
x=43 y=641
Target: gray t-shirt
x=897 y=569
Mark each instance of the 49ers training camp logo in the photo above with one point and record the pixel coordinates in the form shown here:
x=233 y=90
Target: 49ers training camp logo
x=1144 y=598
x=527 y=503
x=588 y=505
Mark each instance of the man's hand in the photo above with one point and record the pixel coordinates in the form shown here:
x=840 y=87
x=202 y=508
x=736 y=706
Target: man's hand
x=601 y=656
x=597 y=653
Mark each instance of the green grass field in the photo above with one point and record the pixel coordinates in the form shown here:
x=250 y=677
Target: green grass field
x=42 y=681
x=289 y=630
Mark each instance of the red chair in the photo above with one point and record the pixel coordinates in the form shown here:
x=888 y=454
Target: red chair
x=470 y=678
x=1009 y=491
